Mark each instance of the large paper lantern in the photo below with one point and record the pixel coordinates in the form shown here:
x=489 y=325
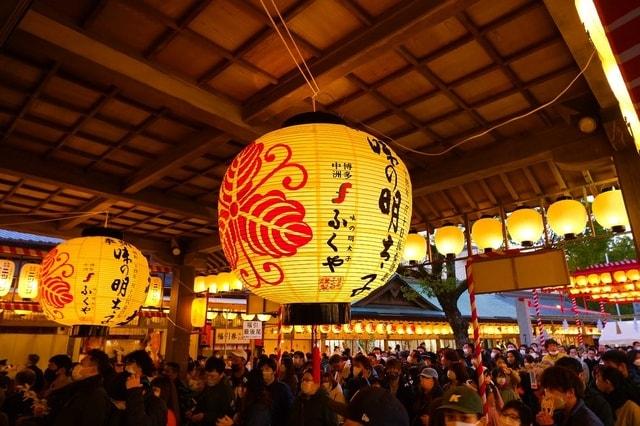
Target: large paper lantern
x=487 y=233
x=28 y=280
x=94 y=282
x=199 y=284
x=314 y=216
x=567 y=218
x=7 y=271
x=415 y=248
x=154 y=295
x=525 y=226
x=449 y=240
x=198 y=312
x=609 y=210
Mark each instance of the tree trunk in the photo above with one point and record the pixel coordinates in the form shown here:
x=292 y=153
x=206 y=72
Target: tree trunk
x=459 y=325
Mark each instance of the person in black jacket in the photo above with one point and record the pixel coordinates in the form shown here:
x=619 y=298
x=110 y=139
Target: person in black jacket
x=429 y=390
x=143 y=408
x=281 y=397
x=88 y=403
x=312 y=406
x=215 y=401
x=399 y=385
x=32 y=364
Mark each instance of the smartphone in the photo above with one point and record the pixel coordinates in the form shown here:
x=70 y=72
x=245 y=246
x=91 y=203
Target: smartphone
x=547 y=405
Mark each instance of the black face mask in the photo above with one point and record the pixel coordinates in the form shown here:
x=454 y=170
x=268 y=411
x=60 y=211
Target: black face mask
x=50 y=375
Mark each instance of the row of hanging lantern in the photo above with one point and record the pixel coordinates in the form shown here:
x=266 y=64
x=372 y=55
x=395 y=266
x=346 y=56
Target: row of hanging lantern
x=618 y=286
x=28 y=279
x=223 y=282
x=567 y=218
x=398 y=329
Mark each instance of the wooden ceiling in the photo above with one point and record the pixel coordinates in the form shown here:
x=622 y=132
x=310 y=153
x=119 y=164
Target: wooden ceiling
x=136 y=106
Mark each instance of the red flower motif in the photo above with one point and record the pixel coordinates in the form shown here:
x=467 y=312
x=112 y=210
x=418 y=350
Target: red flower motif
x=55 y=290
x=262 y=224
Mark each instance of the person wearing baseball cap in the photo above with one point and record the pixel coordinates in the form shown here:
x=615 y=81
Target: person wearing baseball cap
x=462 y=406
x=374 y=406
x=428 y=393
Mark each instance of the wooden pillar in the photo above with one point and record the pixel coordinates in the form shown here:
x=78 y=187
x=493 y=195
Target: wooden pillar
x=179 y=332
x=627 y=163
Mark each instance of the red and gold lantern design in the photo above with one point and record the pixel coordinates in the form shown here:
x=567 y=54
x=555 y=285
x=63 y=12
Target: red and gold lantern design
x=314 y=217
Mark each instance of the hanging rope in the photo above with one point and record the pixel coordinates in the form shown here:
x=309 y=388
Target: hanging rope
x=476 y=333
x=536 y=306
x=574 y=308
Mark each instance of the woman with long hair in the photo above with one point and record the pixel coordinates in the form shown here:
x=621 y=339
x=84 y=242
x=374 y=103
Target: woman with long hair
x=164 y=389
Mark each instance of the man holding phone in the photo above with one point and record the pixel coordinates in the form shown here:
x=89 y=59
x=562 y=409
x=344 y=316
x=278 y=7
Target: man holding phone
x=562 y=403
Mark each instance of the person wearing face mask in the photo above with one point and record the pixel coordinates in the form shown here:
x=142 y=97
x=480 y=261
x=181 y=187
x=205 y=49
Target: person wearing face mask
x=59 y=372
x=462 y=406
x=142 y=406
x=515 y=413
x=591 y=359
x=215 y=401
x=507 y=392
x=563 y=403
x=428 y=392
x=239 y=373
x=361 y=374
x=88 y=403
x=456 y=375
x=592 y=398
x=398 y=385
x=288 y=375
x=311 y=407
x=553 y=352
x=334 y=390
x=281 y=397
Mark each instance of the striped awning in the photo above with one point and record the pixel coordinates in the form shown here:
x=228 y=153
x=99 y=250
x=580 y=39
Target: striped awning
x=621 y=20
x=21 y=306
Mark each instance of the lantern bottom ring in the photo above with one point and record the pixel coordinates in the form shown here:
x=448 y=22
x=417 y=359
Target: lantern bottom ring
x=618 y=229
x=89 y=331
x=316 y=313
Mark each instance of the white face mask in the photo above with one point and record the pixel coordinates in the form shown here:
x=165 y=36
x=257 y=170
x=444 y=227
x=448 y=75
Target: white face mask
x=554 y=353
x=307 y=388
x=523 y=351
x=451 y=375
x=636 y=362
x=501 y=381
x=467 y=351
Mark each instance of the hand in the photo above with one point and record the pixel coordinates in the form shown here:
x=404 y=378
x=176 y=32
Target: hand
x=197 y=418
x=133 y=381
x=225 y=421
x=544 y=419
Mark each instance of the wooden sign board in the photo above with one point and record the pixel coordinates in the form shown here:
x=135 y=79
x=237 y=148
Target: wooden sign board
x=522 y=271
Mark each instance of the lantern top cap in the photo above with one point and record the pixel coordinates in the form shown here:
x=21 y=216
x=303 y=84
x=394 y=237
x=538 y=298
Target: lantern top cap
x=99 y=231
x=563 y=197
x=316 y=117
x=608 y=189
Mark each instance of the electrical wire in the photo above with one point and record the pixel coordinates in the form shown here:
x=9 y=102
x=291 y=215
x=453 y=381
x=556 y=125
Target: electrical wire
x=497 y=126
x=75 y=213
x=50 y=220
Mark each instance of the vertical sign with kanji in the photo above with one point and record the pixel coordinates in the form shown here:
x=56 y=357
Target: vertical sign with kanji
x=252 y=330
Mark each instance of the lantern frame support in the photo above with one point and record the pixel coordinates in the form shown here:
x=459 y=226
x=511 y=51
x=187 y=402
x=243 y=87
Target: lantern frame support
x=316 y=313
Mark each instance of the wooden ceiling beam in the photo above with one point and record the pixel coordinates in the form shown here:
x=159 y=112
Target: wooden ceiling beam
x=97 y=205
x=24 y=164
x=177 y=157
x=532 y=181
x=11 y=12
x=509 y=155
x=207 y=244
x=507 y=184
x=488 y=192
x=125 y=67
x=354 y=50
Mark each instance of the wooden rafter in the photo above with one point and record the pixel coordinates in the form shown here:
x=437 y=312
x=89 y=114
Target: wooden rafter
x=532 y=181
x=507 y=184
x=11 y=13
x=98 y=204
x=355 y=49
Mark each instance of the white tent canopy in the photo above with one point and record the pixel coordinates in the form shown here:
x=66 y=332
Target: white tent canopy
x=621 y=333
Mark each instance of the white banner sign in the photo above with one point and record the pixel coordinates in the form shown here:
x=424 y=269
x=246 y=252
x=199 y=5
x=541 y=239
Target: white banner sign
x=252 y=330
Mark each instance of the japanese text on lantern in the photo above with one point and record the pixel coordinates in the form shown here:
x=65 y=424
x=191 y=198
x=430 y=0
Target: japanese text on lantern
x=120 y=284
x=341 y=228
x=87 y=290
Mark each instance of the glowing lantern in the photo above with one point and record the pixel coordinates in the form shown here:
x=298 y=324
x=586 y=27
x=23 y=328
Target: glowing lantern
x=610 y=211
x=347 y=328
x=419 y=329
x=410 y=329
x=606 y=278
x=235 y=283
x=633 y=275
x=380 y=328
x=199 y=284
x=286 y=329
x=198 y=312
x=230 y=315
x=264 y=317
x=620 y=276
x=154 y=295
x=28 y=281
x=449 y=240
x=247 y=317
x=325 y=329
x=7 y=271
x=358 y=328
x=224 y=282
x=593 y=279
x=525 y=226
x=581 y=280
x=298 y=328
x=94 y=282
x=390 y=329
x=487 y=233
x=567 y=218
x=292 y=201
x=415 y=248
x=212 y=315
x=337 y=329
x=400 y=329
x=369 y=328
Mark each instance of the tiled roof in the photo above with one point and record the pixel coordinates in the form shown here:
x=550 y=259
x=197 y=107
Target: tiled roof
x=21 y=237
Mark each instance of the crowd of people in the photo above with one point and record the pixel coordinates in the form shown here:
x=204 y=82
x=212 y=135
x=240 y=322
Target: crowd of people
x=526 y=385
